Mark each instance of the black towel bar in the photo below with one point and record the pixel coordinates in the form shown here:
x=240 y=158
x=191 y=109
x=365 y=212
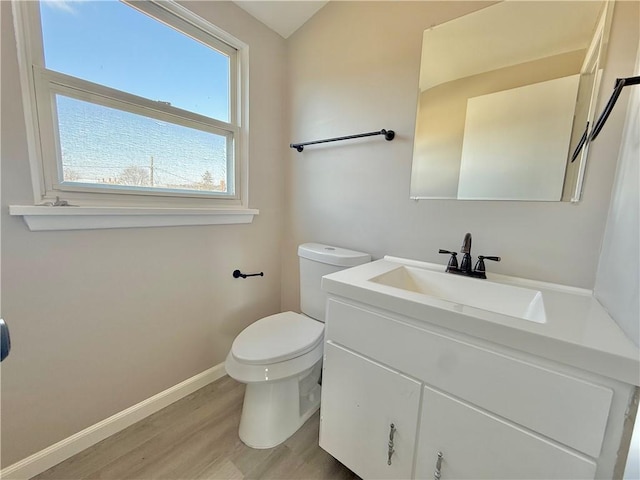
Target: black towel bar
x=388 y=135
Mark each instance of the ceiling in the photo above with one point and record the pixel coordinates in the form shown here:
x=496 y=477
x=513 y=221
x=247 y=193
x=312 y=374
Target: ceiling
x=283 y=17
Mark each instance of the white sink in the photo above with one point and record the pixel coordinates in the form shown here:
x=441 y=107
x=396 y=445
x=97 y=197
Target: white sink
x=520 y=302
x=557 y=322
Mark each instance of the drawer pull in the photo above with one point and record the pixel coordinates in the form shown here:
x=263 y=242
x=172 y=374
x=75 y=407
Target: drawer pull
x=436 y=472
x=392 y=431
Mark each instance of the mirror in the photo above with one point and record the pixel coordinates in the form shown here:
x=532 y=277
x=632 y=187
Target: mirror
x=505 y=95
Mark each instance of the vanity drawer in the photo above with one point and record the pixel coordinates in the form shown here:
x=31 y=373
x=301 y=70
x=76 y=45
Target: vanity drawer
x=567 y=409
x=474 y=446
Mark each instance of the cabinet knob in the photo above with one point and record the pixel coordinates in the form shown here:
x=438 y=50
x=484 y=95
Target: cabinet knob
x=392 y=431
x=436 y=472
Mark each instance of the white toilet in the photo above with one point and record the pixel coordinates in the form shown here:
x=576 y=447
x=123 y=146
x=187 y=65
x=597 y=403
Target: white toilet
x=280 y=357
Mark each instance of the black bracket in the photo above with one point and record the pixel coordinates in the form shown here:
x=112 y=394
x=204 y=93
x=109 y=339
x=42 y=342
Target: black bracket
x=5 y=340
x=239 y=274
x=617 y=89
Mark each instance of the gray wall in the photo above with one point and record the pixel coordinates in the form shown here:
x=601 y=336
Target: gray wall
x=101 y=320
x=353 y=68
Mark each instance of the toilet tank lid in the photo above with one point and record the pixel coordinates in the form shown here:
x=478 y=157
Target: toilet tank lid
x=332 y=255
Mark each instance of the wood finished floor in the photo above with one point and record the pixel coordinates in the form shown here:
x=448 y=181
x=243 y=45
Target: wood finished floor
x=197 y=438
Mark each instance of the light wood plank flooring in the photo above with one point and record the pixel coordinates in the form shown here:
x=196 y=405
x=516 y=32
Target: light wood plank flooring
x=197 y=438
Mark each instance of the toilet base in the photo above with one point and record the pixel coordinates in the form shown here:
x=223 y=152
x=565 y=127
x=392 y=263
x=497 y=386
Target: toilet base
x=273 y=411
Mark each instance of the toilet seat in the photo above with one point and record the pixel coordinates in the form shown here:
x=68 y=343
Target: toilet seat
x=277 y=338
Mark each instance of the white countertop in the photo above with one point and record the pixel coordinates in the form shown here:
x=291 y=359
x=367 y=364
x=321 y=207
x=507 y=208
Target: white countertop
x=578 y=331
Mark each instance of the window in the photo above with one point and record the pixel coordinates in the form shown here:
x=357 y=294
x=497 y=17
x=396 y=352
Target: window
x=132 y=104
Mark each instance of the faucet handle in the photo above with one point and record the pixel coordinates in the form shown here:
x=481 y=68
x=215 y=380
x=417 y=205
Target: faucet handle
x=453 y=261
x=480 y=263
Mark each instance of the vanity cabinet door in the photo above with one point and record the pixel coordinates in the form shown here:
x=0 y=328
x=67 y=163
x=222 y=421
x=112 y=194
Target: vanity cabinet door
x=361 y=399
x=478 y=445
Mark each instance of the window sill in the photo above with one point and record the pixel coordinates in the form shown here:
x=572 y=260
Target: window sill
x=41 y=218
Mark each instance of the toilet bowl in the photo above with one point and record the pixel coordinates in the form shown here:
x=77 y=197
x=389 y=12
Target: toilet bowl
x=279 y=357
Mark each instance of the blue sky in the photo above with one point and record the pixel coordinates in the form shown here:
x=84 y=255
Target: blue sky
x=110 y=43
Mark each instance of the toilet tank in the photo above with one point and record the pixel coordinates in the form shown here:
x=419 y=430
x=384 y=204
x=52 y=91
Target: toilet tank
x=317 y=260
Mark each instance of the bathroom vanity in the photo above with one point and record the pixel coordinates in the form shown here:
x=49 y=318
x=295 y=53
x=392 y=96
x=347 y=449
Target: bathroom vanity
x=428 y=375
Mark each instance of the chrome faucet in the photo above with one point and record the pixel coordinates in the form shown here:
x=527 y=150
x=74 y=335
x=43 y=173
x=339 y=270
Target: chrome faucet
x=465 y=266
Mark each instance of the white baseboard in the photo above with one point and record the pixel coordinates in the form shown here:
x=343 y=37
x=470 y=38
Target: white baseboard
x=60 y=451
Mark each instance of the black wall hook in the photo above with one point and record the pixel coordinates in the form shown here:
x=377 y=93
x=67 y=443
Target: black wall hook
x=239 y=274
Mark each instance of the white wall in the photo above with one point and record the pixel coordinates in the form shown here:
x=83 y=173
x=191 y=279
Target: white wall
x=354 y=68
x=101 y=320
x=618 y=278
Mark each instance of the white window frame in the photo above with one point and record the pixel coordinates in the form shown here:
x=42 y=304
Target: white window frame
x=108 y=207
